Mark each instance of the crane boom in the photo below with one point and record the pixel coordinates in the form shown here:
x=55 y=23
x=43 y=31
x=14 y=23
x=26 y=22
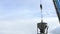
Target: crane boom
x=57 y=7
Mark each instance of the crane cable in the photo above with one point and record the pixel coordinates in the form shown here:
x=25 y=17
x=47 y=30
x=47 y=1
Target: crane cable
x=41 y=11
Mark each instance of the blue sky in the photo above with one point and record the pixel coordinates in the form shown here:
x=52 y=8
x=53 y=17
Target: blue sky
x=21 y=16
x=25 y=8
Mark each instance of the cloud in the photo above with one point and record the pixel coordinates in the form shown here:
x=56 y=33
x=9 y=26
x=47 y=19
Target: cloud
x=56 y=30
x=25 y=26
x=22 y=16
x=29 y=8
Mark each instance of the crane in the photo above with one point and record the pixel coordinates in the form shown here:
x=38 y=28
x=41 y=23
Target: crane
x=42 y=26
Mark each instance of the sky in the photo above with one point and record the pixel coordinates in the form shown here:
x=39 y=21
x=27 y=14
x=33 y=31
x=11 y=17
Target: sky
x=22 y=16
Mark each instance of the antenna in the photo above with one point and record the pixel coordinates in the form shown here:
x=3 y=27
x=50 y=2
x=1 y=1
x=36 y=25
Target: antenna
x=41 y=11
